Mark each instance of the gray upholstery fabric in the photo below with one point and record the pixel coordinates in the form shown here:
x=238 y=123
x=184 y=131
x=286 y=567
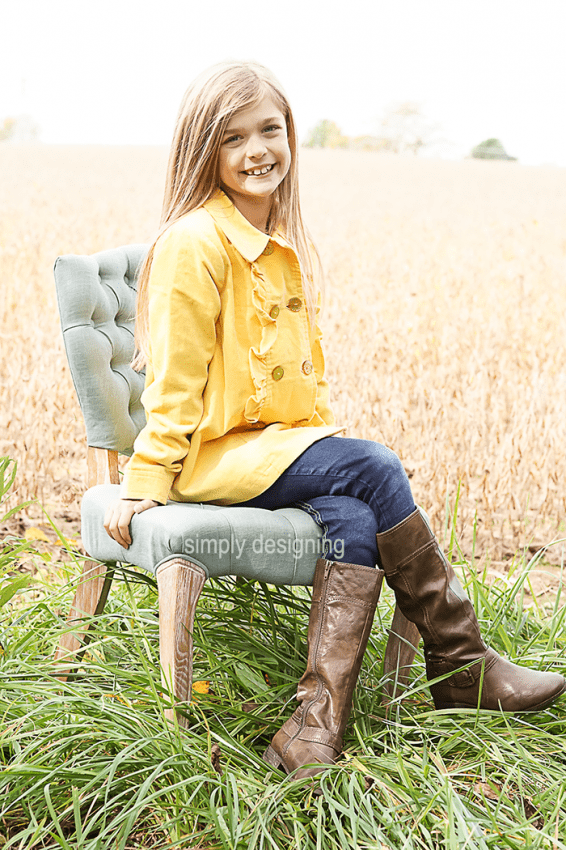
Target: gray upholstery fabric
x=96 y=298
x=278 y=547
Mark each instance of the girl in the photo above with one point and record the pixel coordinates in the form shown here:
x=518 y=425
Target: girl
x=238 y=413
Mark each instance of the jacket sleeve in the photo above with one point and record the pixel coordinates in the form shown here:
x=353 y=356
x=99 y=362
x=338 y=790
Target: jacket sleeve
x=184 y=305
x=322 y=407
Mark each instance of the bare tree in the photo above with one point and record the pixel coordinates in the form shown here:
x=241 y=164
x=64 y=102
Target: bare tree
x=405 y=129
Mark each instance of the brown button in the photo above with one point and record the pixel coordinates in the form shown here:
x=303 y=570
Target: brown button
x=277 y=373
x=294 y=304
x=269 y=249
x=307 y=367
x=274 y=312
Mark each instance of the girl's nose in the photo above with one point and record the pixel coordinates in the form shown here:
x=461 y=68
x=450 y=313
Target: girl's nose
x=256 y=147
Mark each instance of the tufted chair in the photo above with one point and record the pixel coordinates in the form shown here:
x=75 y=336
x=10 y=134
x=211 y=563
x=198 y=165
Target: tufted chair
x=182 y=544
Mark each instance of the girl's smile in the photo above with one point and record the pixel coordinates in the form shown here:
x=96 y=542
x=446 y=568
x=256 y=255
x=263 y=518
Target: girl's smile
x=259 y=172
x=254 y=159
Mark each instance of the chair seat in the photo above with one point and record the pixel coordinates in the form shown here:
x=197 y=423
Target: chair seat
x=277 y=547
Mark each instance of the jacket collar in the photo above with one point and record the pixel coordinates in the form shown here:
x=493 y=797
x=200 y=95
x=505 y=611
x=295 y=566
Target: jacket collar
x=246 y=239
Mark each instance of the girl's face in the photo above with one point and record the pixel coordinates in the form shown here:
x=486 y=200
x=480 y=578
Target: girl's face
x=254 y=153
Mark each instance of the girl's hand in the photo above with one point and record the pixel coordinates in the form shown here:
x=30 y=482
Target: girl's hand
x=119 y=515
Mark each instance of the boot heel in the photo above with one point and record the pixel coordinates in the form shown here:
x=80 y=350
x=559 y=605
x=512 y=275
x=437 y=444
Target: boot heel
x=271 y=757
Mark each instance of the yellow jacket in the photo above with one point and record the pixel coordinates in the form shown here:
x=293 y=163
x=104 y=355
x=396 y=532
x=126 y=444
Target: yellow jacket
x=235 y=389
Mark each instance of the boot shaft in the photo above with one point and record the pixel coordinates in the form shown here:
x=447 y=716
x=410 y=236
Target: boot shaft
x=344 y=600
x=345 y=597
x=429 y=593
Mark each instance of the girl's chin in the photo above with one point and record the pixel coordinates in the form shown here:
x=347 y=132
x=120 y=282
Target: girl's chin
x=258 y=191
x=250 y=193
x=258 y=184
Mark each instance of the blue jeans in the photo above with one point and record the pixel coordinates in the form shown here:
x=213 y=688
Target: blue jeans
x=352 y=488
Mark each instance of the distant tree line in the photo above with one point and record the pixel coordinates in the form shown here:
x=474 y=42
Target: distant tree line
x=403 y=129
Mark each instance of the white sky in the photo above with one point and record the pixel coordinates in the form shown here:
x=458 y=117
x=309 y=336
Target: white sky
x=114 y=71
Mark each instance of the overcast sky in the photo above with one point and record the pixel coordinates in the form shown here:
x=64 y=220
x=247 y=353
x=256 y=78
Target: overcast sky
x=114 y=71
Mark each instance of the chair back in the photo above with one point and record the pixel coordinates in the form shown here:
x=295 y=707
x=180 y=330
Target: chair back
x=97 y=296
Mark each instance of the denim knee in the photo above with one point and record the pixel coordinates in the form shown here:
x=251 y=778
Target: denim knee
x=391 y=498
x=380 y=460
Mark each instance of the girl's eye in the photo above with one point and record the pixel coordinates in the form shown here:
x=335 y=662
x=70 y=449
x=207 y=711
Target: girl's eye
x=271 y=127
x=229 y=139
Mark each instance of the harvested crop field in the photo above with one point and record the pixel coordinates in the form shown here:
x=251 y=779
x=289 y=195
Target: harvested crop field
x=445 y=320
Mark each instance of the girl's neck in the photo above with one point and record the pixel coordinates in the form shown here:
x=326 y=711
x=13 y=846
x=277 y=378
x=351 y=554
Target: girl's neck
x=256 y=210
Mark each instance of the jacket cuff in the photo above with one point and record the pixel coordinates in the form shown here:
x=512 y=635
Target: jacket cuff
x=137 y=484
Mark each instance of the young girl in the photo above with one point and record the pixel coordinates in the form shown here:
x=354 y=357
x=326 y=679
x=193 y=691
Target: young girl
x=238 y=413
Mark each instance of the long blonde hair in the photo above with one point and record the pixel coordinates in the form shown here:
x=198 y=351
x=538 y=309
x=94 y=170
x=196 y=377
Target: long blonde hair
x=192 y=172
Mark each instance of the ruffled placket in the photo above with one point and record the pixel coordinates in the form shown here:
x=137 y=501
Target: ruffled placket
x=258 y=355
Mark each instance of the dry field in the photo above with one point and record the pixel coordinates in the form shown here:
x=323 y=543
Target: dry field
x=445 y=320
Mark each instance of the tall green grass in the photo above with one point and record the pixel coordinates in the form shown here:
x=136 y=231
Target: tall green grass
x=92 y=764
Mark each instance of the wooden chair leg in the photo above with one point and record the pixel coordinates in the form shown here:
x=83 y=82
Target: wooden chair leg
x=96 y=579
x=180 y=583
x=89 y=601
x=400 y=652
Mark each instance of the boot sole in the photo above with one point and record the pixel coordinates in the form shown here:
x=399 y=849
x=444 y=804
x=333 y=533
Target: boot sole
x=443 y=705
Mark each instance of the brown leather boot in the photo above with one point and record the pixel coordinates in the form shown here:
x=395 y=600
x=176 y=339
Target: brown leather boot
x=430 y=595
x=343 y=606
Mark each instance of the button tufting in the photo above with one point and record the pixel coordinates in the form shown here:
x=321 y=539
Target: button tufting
x=277 y=373
x=274 y=312
x=294 y=304
x=307 y=367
